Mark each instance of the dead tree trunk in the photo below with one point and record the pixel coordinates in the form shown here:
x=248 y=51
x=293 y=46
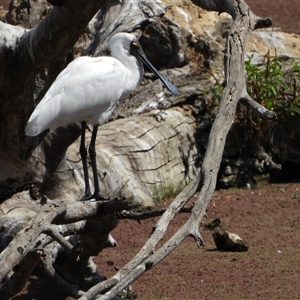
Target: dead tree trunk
x=41 y=164
x=130 y=152
x=245 y=21
x=24 y=53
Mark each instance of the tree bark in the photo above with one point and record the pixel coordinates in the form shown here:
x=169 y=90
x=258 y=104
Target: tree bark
x=244 y=23
x=27 y=52
x=137 y=155
x=144 y=158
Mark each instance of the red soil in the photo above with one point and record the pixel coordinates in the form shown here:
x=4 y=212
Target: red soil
x=267 y=218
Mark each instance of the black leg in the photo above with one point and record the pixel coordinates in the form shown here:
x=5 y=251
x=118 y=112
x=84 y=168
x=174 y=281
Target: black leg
x=83 y=153
x=92 y=152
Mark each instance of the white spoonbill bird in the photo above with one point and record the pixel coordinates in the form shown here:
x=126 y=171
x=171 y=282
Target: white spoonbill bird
x=88 y=90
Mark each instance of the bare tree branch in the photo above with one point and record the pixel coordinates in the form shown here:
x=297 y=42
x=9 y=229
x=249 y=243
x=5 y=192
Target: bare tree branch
x=25 y=239
x=56 y=236
x=13 y=284
x=60 y=282
x=56 y=212
x=148 y=214
x=149 y=247
x=244 y=23
x=86 y=219
x=261 y=110
x=88 y=209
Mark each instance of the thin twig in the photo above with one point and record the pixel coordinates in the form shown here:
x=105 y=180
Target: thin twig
x=261 y=110
x=148 y=214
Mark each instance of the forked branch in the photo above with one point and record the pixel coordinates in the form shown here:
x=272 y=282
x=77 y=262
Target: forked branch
x=30 y=244
x=23 y=242
x=21 y=250
x=245 y=21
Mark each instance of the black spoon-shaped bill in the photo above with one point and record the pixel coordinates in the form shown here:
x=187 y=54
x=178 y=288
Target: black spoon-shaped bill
x=136 y=49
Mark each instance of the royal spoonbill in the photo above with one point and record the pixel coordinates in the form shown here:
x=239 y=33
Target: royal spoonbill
x=88 y=90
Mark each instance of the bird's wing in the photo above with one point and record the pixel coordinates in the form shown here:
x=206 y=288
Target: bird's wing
x=87 y=90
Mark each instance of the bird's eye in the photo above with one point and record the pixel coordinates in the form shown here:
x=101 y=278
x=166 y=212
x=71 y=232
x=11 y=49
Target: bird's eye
x=135 y=47
x=134 y=44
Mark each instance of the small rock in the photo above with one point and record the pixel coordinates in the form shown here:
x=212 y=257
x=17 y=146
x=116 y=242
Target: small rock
x=228 y=241
x=225 y=240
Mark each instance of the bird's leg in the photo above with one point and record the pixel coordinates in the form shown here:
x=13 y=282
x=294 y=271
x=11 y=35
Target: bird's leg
x=83 y=153
x=92 y=152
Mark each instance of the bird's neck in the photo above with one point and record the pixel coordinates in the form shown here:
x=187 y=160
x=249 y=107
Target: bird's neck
x=135 y=70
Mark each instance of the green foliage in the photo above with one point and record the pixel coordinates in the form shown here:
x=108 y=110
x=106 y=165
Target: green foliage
x=274 y=88
x=271 y=85
x=216 y=91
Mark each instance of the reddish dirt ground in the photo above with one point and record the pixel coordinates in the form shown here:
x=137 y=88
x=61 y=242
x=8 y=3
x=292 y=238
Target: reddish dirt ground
x=267 y=218
x=284 y=13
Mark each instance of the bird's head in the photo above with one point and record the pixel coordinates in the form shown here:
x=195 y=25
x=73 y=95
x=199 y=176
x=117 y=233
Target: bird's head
x=128 y=44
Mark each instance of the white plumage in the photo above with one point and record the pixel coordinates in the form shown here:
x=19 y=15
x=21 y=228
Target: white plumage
x=88 y=90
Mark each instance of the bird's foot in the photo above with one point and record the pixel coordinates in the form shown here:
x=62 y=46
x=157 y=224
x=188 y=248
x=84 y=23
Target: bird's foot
x=98 y=197
x=87 y=196
x=95 y=196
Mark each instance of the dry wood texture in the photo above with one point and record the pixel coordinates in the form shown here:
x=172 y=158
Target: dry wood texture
x=145 y=156
x=244 y=23
x=135 y=156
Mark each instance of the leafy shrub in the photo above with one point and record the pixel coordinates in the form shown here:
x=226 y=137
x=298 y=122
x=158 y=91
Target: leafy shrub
x=272 y=85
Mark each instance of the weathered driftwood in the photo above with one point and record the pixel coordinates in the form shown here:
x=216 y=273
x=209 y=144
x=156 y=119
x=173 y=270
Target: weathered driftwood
x=245 y=21
x=12 y=285
x=143 y=157
x=133 y=153
x=43 y=160
x=29 y=244
x=24 y=240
